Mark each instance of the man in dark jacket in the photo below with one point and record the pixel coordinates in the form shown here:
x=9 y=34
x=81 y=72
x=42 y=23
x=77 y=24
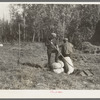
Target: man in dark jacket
x=52 y=46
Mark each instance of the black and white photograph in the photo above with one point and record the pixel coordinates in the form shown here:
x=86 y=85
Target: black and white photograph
x=49 y=46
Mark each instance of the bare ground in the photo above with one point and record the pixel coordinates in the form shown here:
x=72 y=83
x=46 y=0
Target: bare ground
x=32 y=72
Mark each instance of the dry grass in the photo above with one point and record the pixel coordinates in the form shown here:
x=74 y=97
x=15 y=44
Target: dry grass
x=31 y=73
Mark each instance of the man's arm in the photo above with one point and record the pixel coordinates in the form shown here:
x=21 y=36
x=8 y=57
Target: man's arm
x=47 y=42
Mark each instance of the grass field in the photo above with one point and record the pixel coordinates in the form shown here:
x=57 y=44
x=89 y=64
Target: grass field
x=33 y=74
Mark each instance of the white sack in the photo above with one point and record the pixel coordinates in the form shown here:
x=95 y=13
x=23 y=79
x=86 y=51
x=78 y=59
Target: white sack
x=62 y=64
x=57 y=65
x=58 y=71
x=1 y=45
x=70 y=68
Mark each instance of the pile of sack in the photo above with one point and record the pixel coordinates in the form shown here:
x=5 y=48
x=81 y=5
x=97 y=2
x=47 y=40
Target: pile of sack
x=69 y=64
x=58 y=67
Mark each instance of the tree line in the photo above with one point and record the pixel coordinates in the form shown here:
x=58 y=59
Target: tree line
x=75 y=21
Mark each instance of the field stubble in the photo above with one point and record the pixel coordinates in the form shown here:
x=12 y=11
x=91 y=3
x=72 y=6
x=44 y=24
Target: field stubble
x=31 y=73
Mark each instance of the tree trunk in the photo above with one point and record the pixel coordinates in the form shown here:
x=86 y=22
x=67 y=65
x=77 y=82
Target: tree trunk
x=39 y=36
x=42 y=37
x=33 y=37
x=24 y=29
x=72 y=38
x=24 y=35
x=64 y=28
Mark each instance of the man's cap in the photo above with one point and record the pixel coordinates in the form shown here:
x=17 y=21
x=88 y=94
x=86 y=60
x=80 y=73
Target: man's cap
x=65 y=39
x=54 y=34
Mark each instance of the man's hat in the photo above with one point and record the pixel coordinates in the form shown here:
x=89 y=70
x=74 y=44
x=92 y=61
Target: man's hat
x=54 y=34
x=65 y=39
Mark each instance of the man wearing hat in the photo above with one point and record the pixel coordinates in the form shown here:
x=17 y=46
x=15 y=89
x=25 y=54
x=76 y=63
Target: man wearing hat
x=51 y=43
x=65 y=47
x=66 y=51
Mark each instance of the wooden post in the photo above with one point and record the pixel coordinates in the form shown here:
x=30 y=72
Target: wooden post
x=19 y=45
x=24 y=27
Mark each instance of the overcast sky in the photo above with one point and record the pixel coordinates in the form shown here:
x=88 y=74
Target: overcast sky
x=4 y=11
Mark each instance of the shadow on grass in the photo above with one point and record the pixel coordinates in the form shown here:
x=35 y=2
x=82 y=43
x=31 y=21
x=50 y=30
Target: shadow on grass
x=31 y=65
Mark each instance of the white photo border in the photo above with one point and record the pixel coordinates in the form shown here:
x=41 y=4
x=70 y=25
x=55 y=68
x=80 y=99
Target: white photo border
x=49 y=93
